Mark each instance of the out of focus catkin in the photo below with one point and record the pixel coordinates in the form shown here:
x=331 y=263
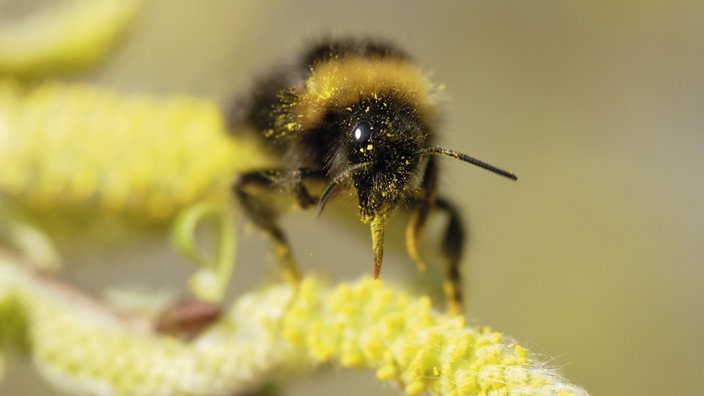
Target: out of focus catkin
x=79 y=148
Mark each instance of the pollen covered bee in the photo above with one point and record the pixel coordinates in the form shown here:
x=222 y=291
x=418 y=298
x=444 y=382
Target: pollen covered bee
x=358 y=116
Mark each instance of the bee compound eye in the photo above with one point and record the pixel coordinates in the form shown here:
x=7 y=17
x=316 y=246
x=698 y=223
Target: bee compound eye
x=362 y=131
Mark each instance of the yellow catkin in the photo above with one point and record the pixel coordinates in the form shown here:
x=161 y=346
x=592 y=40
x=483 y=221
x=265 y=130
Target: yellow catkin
x=422 y=349
x=84 y=347
x=62 y=37
x=81 y=149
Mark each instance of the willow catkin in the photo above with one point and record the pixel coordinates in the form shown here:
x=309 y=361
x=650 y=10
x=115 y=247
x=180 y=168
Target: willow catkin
x=82 y=148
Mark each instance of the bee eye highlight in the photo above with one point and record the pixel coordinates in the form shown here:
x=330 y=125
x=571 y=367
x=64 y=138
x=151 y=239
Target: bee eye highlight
x=362 y=132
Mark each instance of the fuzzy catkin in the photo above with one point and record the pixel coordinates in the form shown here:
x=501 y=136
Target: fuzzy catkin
x=78 y=148
x=86 y=348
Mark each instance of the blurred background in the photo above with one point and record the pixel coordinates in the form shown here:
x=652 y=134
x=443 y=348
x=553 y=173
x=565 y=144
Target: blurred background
x=593 y=259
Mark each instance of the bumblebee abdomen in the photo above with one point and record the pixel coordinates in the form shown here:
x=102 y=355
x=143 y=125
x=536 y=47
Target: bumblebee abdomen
x=266 y=99
x=331 y=49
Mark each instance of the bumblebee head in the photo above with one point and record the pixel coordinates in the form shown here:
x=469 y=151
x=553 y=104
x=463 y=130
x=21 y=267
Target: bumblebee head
x=378 y=151
x=371 y=111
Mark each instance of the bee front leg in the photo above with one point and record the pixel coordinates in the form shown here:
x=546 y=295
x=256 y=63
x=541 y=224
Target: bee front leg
x=414 y=233
x=452 y=241
x=419 y=216
x=452 y=247
x=259 y=194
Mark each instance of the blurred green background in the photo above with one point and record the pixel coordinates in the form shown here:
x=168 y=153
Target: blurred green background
x=593 y=259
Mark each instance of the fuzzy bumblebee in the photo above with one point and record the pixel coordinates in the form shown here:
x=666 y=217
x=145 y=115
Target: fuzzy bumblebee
x=355 y=115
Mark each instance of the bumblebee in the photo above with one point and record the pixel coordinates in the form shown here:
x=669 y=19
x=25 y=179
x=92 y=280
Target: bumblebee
x=357 y=116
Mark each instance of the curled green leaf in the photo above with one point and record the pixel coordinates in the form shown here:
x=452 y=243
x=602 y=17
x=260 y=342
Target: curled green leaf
x=210 y=282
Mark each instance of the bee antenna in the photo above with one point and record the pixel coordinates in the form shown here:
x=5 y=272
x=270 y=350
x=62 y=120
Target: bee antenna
x=466 y=158
x=337 y=180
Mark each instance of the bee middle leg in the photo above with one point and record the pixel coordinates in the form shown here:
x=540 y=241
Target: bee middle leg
x=452 y=247
x=258 y=193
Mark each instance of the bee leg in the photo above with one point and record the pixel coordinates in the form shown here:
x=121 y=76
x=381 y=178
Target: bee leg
x=414 y=233
x=282 y=249
x=303 y=197
x=421 y=208
x=452 y=247
x=453 y=239
x=255 y=189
